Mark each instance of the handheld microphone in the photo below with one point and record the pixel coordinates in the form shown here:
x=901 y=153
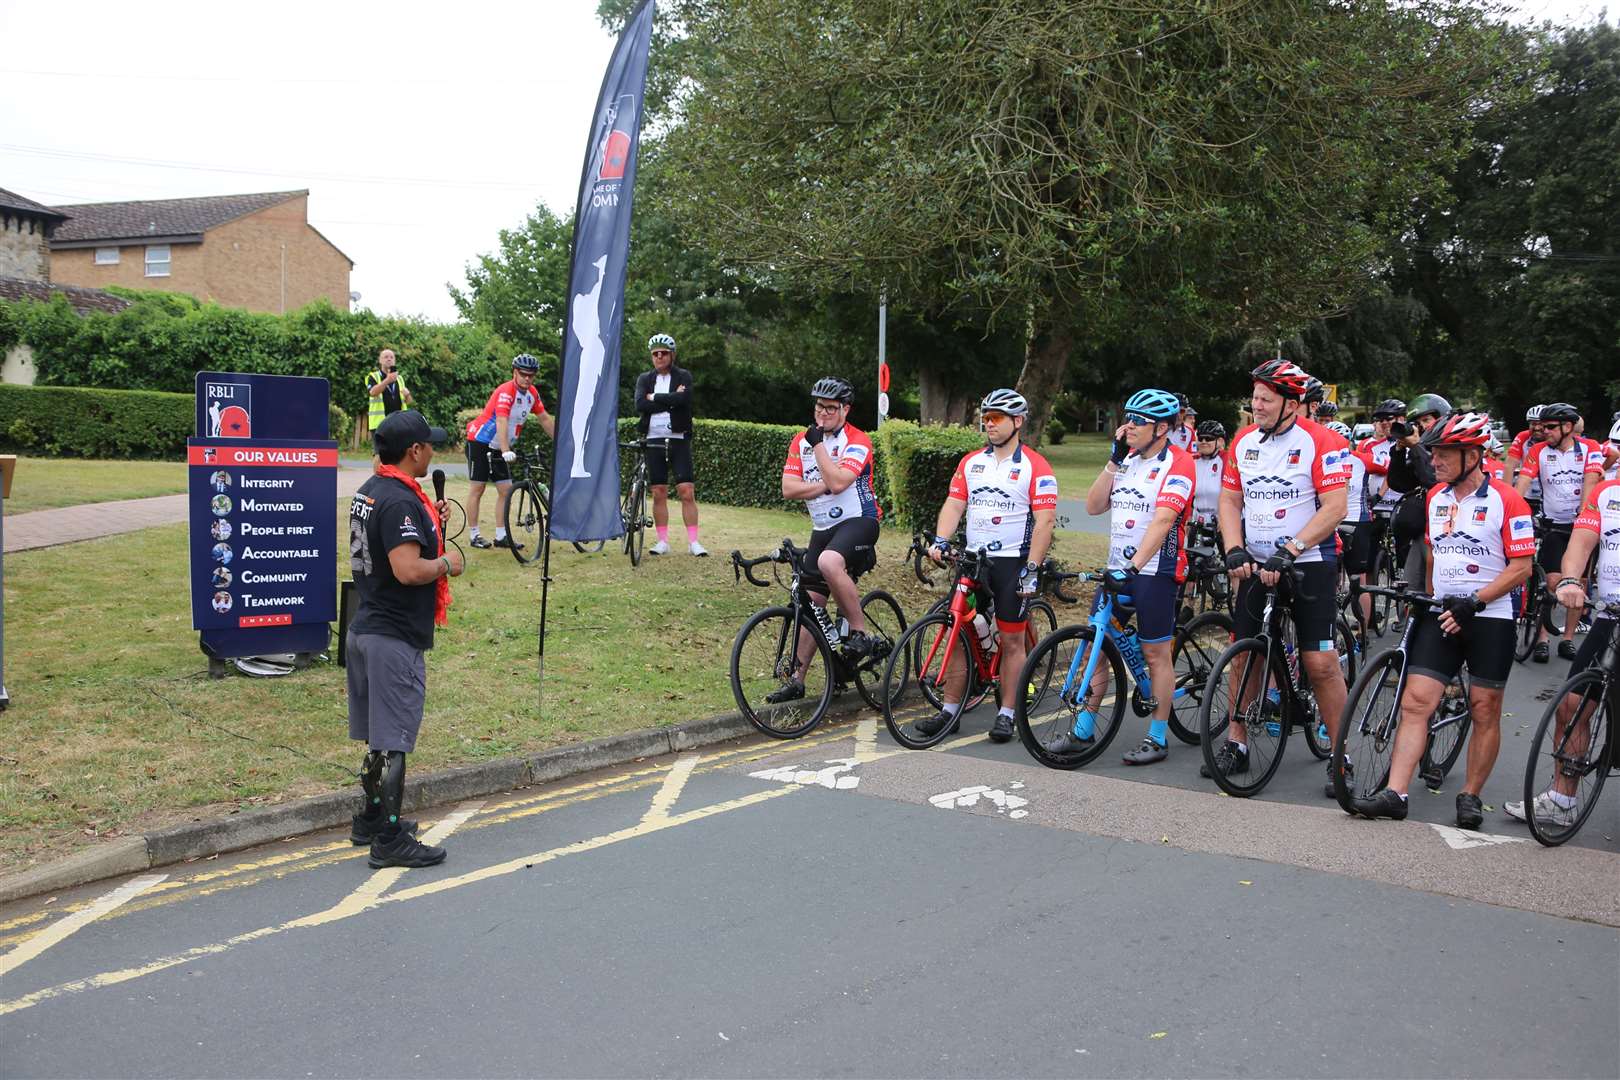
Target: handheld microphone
x=438 y=485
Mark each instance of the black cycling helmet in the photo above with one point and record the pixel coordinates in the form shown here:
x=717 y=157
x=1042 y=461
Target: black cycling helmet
x=1315 y=392
x=1390 y=409
x=1327 y=410
x=832 y=388
x=1428 y=405
x=1212 y=429
x=1560 y=412
x=524 y=362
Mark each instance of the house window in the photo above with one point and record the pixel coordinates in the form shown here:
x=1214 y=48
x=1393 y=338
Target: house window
x=157 y=260
x=107 y=256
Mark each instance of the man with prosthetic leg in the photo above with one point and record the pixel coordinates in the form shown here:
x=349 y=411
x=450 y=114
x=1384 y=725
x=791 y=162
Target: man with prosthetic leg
x=401 y=572
x=1481 y=541
x=1009 y=495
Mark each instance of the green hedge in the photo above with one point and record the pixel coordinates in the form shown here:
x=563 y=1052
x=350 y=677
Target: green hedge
x=920 y=462
x=90 y=422
x=71 y=421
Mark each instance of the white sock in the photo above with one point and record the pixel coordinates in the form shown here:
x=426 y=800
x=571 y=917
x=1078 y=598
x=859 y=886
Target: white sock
x=500 y=532
x=1004 y=711
x=952 y=708
x=1242 y=746
x=472 y=533
x=1567 y=802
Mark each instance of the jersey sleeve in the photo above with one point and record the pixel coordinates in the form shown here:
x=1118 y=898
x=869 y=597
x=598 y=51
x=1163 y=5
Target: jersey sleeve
x=1518 y=531
x=959 y=488
x=503 y=401
x=1531 y=465
x=857 y=453
x=794 y=466
x=1179 y=484
x=1374 y=466
x=1590 y=518
x=1593 y=465
x=1331 y=468
x=1229 y=470
x=399 y=522
x=1043 y=487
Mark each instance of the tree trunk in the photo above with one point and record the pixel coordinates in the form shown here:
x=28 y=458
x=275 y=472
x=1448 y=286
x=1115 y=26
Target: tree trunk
x=937 y=401
x=1045 y=361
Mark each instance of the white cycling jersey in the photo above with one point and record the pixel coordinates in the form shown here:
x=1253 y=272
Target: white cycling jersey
x=1207 y=488
x=1473 y=538
x=1601 y=514
x=1282 y=479
x=849 y=449
x=1563 y=475
x=1002 y=498
x=1141 y=487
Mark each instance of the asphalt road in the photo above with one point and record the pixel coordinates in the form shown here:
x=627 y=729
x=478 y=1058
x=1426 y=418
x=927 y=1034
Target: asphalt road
x=837 y=906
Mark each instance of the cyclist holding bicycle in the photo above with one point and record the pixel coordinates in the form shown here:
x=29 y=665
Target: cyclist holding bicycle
x=1207 y=468
x=1569 y=467
x=1147 y=486
x=490 y=436
x=1009 y=495
x=1282 y=498
x=1596 y=528
x=829 y=469
x=1481 y=540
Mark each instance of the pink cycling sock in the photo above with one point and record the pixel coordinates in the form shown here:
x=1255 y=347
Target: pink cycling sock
x=663 y=533
x=691 y=534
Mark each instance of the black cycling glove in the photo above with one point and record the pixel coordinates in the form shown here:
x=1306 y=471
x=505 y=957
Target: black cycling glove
x=1238 y=557
x=1121 y=448
x=1120 y=581
x=1463 y=608
x=1281 y=561
x=813 y=434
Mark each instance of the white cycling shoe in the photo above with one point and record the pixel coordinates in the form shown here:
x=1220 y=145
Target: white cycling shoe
x=660 y=548
x=697 y=549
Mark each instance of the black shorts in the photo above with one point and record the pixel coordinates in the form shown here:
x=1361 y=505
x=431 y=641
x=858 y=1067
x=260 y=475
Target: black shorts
x=1597 y=639
x=1000 y=595
x=1485 y=645
x=1550 y=550
x=855 y=539
x=1360 y=541
x=678 y=460
x=484 y=463
x=1315 y=606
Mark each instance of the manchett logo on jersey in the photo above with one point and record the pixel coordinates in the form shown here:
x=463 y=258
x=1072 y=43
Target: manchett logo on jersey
x=230 y=410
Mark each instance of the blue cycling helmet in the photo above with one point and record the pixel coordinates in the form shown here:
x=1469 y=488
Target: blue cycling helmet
x=524 y=362
x=1154 y=404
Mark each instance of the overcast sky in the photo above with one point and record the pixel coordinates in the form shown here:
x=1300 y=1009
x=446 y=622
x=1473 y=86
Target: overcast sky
x=420 y=130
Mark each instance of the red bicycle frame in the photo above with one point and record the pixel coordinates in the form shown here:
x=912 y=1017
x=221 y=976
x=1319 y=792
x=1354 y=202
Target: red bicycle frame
x=962 y=612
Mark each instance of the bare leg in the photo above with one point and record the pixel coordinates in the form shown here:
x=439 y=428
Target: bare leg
x=1412 y=737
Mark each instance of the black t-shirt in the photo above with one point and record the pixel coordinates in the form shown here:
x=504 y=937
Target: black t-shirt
x=383 y=515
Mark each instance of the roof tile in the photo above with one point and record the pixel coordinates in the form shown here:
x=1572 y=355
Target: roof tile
x=160 y=217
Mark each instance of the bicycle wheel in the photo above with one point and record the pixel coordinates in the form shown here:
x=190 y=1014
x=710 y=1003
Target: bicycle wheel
x=526 y=514
x=1570 y=756
x=885 y=622
x=589 y=547
x=1366 y=739
x=1057 y=714
x=1198 y=645
x=924 y=646
x=1037 y=678
x=764 y=659
x=635 y=522
x=1529 y=617
x=1243 y=701
x=1448 y=731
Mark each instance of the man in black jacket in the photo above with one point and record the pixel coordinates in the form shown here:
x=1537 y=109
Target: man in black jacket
x=664 y=402
x=1412 y=473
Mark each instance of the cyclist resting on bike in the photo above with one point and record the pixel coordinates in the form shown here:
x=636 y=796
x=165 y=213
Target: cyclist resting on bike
x=1010 y=497
x=1282 y=498
x=1597 y=527
x=829 y=468
x=1569 y=467
x=490 y=437
x=1147 y=488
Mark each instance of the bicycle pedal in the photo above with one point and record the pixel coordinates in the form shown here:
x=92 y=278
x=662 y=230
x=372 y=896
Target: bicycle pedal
x=1433 y=779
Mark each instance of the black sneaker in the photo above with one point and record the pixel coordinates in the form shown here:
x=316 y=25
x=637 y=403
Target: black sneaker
x=1566 y=650
x=1228 y=759
x=790 y=691
x=1349 y=779
x=365 y=829
x=508 y=542
x=1382 y=803
x=481 y=542
x=932 y=725
x=859 y=643
x=1001 y=730
x=1540 y=653
x=403 y=850
x=1432 y=777
x=1469 y=811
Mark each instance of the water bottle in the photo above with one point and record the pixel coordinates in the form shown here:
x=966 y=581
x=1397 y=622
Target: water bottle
x=981 y=627
x=1274 y=708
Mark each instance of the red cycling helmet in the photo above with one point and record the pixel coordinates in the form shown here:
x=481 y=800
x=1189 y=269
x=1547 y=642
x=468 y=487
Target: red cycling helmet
x=1283 y=376
x=1460 y=429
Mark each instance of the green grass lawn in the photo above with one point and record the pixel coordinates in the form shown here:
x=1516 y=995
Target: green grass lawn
x=46 y=483
x=1076 y=461
x=115 y=728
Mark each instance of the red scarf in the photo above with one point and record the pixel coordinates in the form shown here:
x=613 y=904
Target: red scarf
x=441 y=599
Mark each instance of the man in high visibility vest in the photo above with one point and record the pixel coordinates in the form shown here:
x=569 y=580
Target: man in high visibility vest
x=387 y=390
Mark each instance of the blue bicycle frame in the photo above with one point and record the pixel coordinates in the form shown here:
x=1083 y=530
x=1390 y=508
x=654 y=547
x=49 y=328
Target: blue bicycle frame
x=1107 y=626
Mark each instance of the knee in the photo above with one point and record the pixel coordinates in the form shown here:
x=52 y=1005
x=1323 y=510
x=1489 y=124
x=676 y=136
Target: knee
x=830 y=563
x=685 y=492
x=660 y=491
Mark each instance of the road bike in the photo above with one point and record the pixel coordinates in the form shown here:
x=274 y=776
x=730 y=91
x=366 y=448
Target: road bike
x=633 y=506
x=1535 y=607
x=528 y=509
x=955 y=630
x=1095 y=658
x=1206 y=586
x=1372 y=714
x=1574 y=747
x=788 y=661
x=1273 y=693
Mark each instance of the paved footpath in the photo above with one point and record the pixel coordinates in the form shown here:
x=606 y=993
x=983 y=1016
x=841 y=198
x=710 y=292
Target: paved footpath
x=46 y=528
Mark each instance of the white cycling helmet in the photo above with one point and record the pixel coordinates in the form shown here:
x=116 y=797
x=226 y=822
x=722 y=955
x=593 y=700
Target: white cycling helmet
x=1339 y=428
x=1614 y=432
x=660 y=341
x=1006 y=401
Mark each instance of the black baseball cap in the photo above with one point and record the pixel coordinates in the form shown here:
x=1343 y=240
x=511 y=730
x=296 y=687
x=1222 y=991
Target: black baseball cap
x=403 y=430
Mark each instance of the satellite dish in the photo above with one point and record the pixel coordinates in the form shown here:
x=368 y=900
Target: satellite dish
x=354 y=298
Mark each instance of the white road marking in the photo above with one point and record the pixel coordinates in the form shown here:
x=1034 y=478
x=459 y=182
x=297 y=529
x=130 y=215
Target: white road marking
x=834 y=776
x=72 y=924
x=1462 y=839
x=1011 y=805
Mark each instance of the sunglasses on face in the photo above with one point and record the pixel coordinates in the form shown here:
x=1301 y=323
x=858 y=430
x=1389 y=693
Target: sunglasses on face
x=1138 y=420
x=662 y=352
x=993 y=417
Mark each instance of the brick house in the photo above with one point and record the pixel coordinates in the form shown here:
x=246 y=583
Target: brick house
x=250 y=251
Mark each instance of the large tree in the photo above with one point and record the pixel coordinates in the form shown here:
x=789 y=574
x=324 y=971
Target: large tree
x=1090 y=171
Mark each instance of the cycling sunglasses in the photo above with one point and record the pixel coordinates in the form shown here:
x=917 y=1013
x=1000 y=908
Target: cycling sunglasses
x=1139 y=420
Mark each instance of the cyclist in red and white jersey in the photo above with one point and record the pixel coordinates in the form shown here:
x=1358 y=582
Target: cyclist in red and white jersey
x=1357 y=533
x=1378 y=447
x=1009 y=495
x=1147 y=488
x=1184 y=430
x=1596 y=528
x=1494 y=467
x=1481 y=541
x=829 y=469
x=1568 y=467
x=1520 y=448
x=1282 y=498
x=490 y=438
x=1207 y=467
